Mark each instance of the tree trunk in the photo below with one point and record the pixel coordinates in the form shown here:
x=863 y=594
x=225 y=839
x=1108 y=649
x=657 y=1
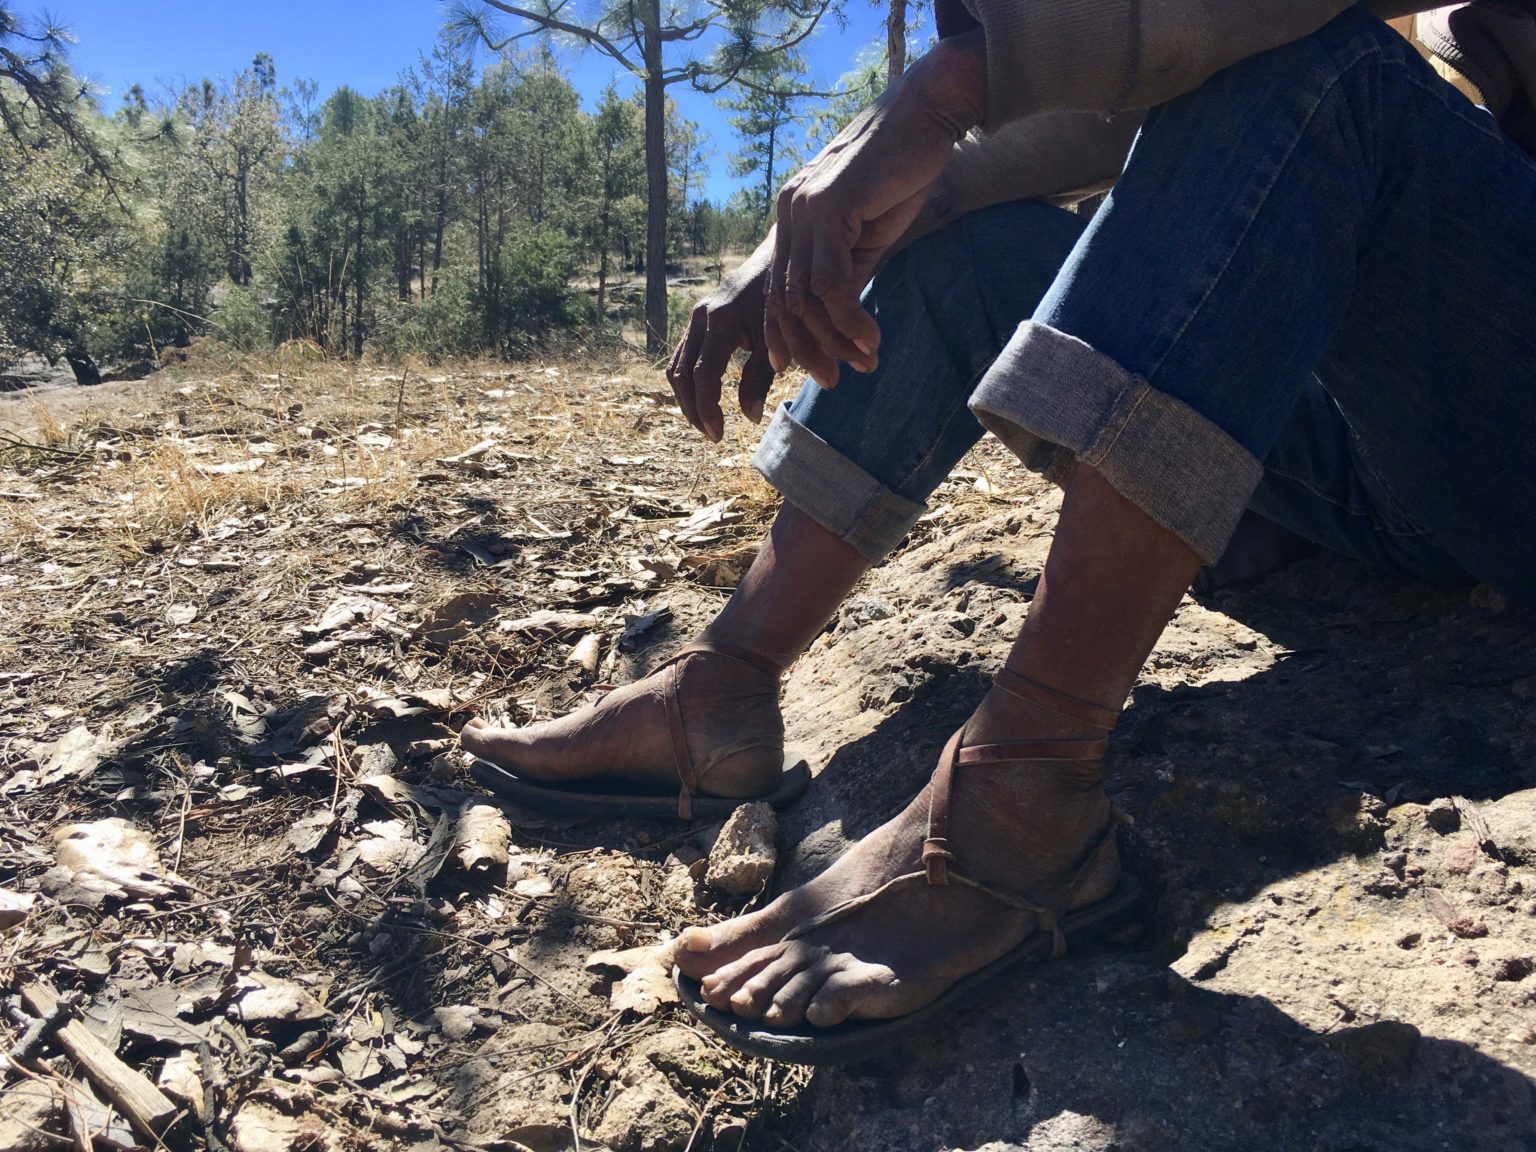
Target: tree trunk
x=655 y=185
x=85 y=369
x=896 y=41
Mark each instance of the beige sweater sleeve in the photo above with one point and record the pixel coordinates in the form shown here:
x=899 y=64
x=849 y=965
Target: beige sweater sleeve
x=1113 y=55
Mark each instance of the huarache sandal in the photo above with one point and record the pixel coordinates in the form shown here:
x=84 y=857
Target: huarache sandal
x=856 y=1039
x=607 y=799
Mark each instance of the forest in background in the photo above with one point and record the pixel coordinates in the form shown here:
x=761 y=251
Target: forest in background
x=475 y=208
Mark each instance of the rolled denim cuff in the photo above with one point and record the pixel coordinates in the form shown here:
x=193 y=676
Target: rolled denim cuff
x=832 y=490
x=1050 y=392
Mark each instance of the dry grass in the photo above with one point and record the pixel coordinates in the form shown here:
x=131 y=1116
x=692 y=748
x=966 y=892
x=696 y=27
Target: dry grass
x=147 y=579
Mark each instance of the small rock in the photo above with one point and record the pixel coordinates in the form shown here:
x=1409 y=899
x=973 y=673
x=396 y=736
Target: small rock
x=456 y=1020
x=862 y=610
x=647 y=1116
x=744 y=857
x=1461 y=858
x=1443 y=816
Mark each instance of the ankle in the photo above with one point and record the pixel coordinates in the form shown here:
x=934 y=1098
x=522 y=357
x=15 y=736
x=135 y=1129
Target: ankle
x=745 y=651
x=1002 y=717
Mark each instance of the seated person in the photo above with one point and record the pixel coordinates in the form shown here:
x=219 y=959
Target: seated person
x=1308 y=298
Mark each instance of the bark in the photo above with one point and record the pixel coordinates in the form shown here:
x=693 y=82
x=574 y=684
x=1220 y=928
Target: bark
x=896 y=40
x=656 y=185
x=84 y=367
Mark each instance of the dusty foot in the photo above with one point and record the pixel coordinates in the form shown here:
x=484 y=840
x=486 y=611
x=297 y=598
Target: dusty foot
x=1022 y=827
x=730 y=712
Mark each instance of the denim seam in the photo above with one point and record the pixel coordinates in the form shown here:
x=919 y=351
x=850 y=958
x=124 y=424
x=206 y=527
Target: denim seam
x=1120 y=426
x=1352 y=509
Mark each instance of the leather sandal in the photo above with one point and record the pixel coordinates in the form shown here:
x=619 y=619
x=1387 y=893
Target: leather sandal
x=1059 y=922
x=607 y=799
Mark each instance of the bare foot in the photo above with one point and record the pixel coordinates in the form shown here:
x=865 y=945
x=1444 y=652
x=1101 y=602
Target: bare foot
x=1023 y=827
x=731 y=719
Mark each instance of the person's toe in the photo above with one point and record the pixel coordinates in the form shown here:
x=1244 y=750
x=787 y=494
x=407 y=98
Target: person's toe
x=706 y=951
x=846 y=991
x=720 y=986
x=758 y=991
x=788 y=1007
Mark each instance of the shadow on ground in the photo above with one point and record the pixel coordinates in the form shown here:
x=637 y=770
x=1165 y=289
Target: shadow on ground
x=1297 y=986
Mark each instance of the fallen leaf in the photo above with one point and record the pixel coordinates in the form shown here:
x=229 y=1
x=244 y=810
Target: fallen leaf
x=14 y=907
x=703 y=521
x=108 y=858
x=474 y=453
x=181 y=1079
x=720 y=569
x=647 y=983
x=307 y=835
x=77 y=753
x=262 y=999
x=343 y=613
x=359 y=1061
x=390 y=848
x=31 y=1117
x=151 y=1014
x=637 y=626
x=428 y=702
x=180 y=615
x=260 y=1126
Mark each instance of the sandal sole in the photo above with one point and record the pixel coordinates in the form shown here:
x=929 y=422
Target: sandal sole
x=591 y=804
x=859 y=1039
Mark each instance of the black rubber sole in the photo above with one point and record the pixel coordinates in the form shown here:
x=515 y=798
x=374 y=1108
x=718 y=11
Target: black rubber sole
x=861 y=1039
x=588 y=803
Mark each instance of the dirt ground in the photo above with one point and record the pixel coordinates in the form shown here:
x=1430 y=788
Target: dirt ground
x=243 y=615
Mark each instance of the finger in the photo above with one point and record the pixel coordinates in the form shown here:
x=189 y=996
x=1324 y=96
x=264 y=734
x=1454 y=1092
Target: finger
x=831 y=252
x=802 y=239
x=852 y=322
x=773 y=338
x=833 y=343
x=756 y=379
x=714 y=358
x=680 y=372
x=778 y=268
x=808 y=352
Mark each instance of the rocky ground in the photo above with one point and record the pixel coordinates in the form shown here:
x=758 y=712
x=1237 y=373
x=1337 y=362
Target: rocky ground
x=241 y=618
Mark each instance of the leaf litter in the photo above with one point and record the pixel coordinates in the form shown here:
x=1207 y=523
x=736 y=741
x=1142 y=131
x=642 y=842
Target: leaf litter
x=248 y=845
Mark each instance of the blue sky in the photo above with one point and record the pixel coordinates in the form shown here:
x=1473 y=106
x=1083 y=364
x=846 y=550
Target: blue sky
x=363 y=44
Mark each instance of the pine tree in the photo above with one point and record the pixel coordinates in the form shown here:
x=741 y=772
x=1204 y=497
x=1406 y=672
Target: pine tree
x=661 y=45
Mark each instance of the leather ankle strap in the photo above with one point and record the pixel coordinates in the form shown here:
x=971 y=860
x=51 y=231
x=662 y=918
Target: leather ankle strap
x=731 y=651
x=1072 y=707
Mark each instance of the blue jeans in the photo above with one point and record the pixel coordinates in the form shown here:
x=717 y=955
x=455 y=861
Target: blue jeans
x=1312 y=293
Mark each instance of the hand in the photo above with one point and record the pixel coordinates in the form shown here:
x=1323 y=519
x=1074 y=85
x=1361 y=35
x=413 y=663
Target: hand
x=840 y=214
x=729 y=318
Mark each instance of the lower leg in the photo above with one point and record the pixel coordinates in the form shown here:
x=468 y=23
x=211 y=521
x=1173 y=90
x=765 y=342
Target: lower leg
x=796 y=582
x=1111 y=582
x=799 y=577
x=1113 y=578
